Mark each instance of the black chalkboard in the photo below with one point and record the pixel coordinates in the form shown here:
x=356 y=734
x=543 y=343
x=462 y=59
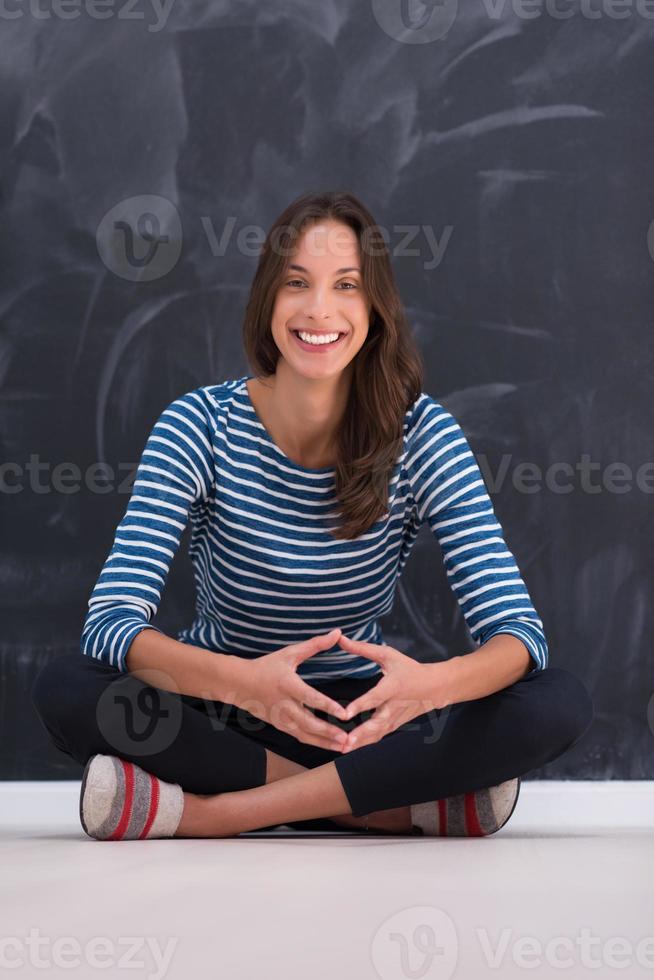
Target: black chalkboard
x=509 y=158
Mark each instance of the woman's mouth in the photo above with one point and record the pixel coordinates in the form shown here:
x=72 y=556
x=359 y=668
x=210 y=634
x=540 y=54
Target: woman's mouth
x=319 y=344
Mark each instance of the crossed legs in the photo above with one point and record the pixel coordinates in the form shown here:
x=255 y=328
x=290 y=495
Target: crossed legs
x=291 y=793
x=234 y=783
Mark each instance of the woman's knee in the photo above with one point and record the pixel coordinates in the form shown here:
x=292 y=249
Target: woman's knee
x=57 y=691
x=570 y=707
x=47 y=687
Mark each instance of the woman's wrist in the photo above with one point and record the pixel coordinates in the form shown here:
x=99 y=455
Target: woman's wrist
x=442 y=683
x=231 y=684
x=496 y=664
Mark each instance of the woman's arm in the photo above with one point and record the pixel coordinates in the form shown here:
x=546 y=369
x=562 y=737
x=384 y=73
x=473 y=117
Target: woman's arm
x=175 y=474
x=182 y=668
x=496 y=664
x=450 y=494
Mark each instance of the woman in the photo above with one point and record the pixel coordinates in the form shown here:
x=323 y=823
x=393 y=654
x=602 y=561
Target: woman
x=305 y=485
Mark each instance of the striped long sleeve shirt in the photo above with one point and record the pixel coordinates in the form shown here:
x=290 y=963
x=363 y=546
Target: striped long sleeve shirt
x=267 y=571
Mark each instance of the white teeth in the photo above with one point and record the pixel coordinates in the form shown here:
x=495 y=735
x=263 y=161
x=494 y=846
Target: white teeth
x=309 y=338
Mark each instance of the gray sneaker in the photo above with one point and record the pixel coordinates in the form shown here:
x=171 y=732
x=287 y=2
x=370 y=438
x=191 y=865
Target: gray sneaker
x=120 y=801
x=475 y=814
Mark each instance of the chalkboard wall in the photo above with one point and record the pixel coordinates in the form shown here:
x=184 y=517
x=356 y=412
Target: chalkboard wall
x=509 y=157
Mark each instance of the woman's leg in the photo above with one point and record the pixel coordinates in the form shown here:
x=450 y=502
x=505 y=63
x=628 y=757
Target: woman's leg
x=467 y=746
x=471 y=744
x=208 y=747
x=89 y=707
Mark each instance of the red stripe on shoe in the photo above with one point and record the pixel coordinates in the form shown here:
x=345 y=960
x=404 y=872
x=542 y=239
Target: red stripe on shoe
x=154 y=805
x=473 y=827
x=442 y=817
x=123 y=823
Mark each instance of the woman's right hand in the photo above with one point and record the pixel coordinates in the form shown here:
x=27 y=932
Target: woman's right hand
x=271 y=689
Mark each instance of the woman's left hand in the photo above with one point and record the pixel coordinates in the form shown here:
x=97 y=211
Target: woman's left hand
x=406 y=690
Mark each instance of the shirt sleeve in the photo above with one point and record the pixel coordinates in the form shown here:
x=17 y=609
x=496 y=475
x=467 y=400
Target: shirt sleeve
x=173 y=480
x=450 y=493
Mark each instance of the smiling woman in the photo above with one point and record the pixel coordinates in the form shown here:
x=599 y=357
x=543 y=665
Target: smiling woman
x=336 y=366
x=305 y=487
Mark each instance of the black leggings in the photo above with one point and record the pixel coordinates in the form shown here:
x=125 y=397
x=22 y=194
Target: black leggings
x=206 y=746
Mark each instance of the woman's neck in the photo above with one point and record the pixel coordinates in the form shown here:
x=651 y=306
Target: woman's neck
x=302 y=416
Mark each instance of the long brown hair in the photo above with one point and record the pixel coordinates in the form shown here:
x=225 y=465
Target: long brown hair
x=387 y=370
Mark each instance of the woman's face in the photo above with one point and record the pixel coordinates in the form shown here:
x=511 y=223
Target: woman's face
x=322 y=294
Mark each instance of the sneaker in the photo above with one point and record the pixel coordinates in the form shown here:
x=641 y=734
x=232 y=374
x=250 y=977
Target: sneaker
x=120 y=801
x=474 y=814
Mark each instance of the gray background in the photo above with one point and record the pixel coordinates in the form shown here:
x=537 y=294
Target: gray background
x=522 y=144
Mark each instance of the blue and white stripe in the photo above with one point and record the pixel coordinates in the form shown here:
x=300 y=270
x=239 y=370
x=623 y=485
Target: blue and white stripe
x=451 y=495
x=267 y=571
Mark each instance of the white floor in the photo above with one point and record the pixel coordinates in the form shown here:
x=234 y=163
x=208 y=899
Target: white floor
x=565 y=889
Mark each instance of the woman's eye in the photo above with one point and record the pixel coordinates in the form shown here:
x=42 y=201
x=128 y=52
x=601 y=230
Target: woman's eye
x=298 y=282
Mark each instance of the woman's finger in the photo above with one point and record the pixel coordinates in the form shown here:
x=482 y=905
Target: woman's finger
x=316 y=699
x=371 y=651
x=307 y=648
x=300 y=724
x=308 y=739
x=309 y=724
x=372 y=730
x=373 y=698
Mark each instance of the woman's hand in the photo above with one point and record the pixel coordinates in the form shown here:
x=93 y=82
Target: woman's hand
x=406 y=690
x=270 y=689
